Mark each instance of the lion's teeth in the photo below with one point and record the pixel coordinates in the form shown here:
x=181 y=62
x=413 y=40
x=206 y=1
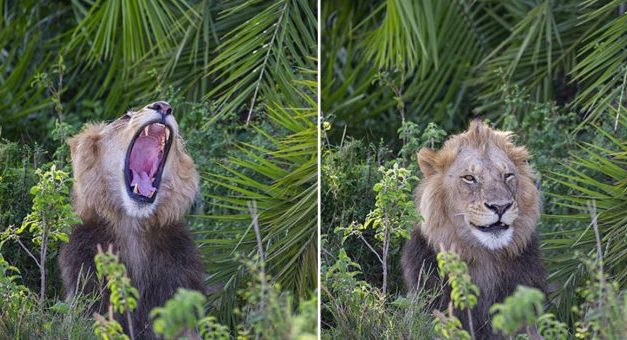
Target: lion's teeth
x=135 y=190
x=150 y=194
x=146 y=130
x=167 y=134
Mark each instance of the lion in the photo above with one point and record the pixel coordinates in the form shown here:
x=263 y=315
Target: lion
x=133 y=183
x=478 y=197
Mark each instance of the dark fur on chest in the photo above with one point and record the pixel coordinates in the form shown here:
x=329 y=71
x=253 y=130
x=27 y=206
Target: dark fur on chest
x=158 y=261
x=420 y=270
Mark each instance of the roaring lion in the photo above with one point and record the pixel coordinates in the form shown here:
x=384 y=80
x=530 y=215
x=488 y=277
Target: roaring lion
x=478 y=197
x=133 y=183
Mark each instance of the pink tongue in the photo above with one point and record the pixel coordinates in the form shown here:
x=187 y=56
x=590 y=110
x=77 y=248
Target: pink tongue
x=143 y=163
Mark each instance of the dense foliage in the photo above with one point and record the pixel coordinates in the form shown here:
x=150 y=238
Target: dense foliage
x=399 y=75
x=241 y=77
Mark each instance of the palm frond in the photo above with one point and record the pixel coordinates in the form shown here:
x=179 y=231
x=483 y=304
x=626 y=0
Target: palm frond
x=598 y=176
x=123 y=35
x=602 y=70
x=281 y=179
x=406 y=35
x=539 y=50
x=129 y=29
x=261 y=53
x=425 y=49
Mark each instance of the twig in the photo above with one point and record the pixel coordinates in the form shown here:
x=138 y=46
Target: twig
x=593 y=212
x=28 y=252
x=42 y=257
x=131 y=332
x=252 y=208
x=386 y=248
x=470 y=325
x=371 y=248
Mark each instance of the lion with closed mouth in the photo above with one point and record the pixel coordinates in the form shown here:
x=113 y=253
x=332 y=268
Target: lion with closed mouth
x=478 y=197
x=133 y=183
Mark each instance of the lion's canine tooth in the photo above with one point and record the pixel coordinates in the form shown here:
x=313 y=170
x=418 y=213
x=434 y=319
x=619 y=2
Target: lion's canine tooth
x=135 y=190
x=167 y=134
x=150 y=194
x=146 y=130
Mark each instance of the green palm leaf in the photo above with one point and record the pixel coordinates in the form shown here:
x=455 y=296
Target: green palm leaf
x=603 y=65
x=128 y=30
x=599 y=176
x=261 y=54
x=124 y=34
x=426 y=49
x=282 y=180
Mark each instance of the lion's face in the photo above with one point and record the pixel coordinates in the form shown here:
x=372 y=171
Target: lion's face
x=133 y=167
x=479 y=190
x=485 y=186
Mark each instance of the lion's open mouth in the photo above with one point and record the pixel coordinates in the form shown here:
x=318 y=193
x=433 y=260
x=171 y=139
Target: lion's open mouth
x=498 y=226
x=145 y=160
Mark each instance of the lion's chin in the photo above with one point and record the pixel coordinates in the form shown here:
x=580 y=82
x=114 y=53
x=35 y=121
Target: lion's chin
x=137 y=210
x=496 y=237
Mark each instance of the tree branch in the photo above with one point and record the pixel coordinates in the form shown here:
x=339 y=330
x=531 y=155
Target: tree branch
x=371 y=248
x=28 y=251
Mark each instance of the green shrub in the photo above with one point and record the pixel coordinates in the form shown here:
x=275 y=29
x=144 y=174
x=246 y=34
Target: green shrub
x=23 y=316
x=122 y=297
x=180 y=314
x=393 y=217
x=50 y=219
x=360 y=311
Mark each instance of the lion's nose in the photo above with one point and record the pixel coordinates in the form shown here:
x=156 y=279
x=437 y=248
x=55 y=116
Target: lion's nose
x=499 y=209
x=162 y=107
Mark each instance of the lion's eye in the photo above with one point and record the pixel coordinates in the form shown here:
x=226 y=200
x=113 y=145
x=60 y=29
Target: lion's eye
x=508 y=176
x=469 y=179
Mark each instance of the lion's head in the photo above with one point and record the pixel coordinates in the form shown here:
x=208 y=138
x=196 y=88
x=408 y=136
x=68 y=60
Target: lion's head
x=133 y=168
x=479 y=192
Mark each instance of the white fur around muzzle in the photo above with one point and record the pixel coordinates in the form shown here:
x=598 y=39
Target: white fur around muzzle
x=496 y=240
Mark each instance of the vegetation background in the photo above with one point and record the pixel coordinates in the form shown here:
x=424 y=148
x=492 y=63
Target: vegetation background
x=241 y=77
x=398 y=75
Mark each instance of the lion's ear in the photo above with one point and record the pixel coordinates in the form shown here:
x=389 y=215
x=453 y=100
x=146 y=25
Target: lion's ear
x=427 y=160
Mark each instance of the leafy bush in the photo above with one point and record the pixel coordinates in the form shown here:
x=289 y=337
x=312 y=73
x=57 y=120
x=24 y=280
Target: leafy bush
x=122 y=297
x=392 y=218
x=50 y=219
x=522 y=312
x=267 y=311
x=181 y=313
x=360 y=311
x=23 y=316
x=463 y=296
